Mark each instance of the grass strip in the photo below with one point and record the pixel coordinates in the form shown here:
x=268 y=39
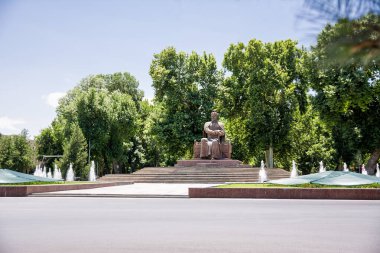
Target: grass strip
x=264 y=185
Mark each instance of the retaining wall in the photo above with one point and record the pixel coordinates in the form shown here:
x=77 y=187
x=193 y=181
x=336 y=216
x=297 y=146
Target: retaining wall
x=286 y=193
x=25 y=190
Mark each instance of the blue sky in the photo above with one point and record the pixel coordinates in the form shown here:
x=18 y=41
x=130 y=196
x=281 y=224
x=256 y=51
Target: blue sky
x=48 y=46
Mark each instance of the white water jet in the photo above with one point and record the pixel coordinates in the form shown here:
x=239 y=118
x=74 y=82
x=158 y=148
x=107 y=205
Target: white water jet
x=57 y=173
x=345 y=169
x=49 y=175
x=364 y=171
x=377 y=170
x=294 y=172
x=91 y=175
x=321 y=167
x=263 y=174
x=38 y=172
x=70 y=173
x=44 y=172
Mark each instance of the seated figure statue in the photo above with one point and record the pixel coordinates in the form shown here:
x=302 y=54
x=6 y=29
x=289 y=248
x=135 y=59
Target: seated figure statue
x=211 y=146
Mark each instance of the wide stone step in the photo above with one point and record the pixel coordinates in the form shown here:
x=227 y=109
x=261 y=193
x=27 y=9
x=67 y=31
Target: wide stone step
x=181 y=175
x=194 y=175
x=193 y=181
x=186 y=180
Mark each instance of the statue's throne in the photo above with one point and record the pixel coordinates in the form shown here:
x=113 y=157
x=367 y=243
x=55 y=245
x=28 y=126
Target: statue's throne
x=225 y=147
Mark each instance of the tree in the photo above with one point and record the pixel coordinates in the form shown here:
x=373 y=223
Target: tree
x=186 y=88
x=349 y=95
x=16 y=152
x=124 y=83
x=309 y=141
x=50 y=142
x=105 y=107
x=352 y=41
x=265 y=87
x=75 y=152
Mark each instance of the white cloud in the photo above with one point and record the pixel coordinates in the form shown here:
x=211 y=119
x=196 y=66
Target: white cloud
x=9 y=126
x=53 y=98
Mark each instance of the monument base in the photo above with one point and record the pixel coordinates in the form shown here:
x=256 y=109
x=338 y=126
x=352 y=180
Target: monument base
x=204 y=163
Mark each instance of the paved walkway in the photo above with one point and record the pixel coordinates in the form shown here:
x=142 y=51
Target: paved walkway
x=157 y=190
x=149 y=225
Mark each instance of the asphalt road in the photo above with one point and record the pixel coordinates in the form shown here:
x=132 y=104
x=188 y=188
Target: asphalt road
x=92 y=225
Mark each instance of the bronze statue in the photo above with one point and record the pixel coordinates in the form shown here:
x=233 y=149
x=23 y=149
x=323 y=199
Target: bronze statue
x=211 y=146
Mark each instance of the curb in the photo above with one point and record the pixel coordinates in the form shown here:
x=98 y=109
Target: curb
x=286 y=193
x=106 y=195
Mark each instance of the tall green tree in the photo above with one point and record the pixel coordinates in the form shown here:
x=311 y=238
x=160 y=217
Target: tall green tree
x=16 y=152
x=266 y=86
x=50 y=142
x=75 y=152
x=106 y=108
x=186 y=88
x=348 y=95
x=310 y=141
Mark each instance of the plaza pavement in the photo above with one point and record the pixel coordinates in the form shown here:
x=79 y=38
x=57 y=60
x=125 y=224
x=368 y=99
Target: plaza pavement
x=152 y=190
x=165 y=225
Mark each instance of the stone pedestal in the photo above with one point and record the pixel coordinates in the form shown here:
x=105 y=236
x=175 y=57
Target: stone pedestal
x=203 y=163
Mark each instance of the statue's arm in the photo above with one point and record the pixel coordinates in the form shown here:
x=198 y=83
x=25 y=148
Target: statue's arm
x=207 y=129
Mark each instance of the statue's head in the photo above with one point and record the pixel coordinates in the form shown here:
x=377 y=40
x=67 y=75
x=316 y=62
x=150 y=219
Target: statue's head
x=214 y=115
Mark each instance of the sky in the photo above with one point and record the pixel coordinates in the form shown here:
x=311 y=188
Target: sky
x=47 y=47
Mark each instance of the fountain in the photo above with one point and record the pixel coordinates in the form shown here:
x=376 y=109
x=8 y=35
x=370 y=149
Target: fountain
x=92 y=176
x=57 y=172
x=321 y=167
x=364 y=171
x=49 y=175
x=70 y=173
x=345 y=169
x=263 y=174
x=44 y=172
x=38 y=172
x=377 y=170
x=294 y=172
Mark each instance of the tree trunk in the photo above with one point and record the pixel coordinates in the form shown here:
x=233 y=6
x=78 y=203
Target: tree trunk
x=371 y=164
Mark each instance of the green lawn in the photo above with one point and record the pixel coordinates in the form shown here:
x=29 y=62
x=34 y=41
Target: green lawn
x=258 y=185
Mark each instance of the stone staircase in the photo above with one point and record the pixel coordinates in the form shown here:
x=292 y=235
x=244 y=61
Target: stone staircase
x=194 y=175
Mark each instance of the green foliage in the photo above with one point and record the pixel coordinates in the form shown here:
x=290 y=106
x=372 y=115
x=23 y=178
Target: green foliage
x=124 y=83
x=265 y=87
x=262 y=101
x=16 y=152
x=186 y=87
x=351 y=42
x=309 y=141
x=106 y=109
x=75 y=152
x=50 y=142
x=348 y=95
